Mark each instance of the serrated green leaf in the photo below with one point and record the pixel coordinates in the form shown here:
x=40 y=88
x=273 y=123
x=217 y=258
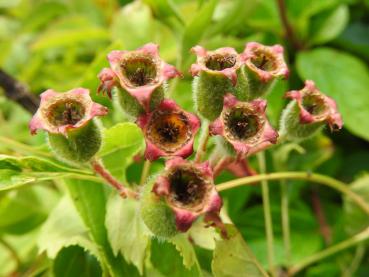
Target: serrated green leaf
x=232 y=257
x=196 y=28
x=64 y=228
x=74 y=261
x=126 y=231
x=344 y=78
x=185 y=248
x=34 y=164
x=23 y=210
x=19 y=171
x=329 y=25
x=89 y=199
x=120 y=143
x=173 y=265
x=355 y=219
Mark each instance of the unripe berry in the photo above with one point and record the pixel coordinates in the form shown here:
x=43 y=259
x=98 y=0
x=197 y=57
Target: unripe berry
x=216 y=73
x=243 y=126
x=169 y=131
x=308 y=113
x=139 y=76
x=263 y=66
x=68 y=119
x=172 y=201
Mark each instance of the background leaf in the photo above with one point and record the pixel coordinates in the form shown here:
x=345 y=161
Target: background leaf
x=232 y=257
x=344 y=78
x=127 y=233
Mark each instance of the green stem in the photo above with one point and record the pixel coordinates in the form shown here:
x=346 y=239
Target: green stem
x=285 y=220
x=21 y=147
x=12 y=252
x=201 y=149
x=313 y=177
x=362 y=236
x=145 y=172
x=267 y=214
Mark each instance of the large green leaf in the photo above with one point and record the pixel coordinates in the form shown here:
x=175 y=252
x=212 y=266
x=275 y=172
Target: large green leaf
x=120 y=143
x=232 y=257
x=73 y=261
x=355 y=219
x=18 y=171
x=166 y=11
x=355 y=39
x=329 y=25
x=344 y=78
x=127 y=233
x=196 y=28
x=24 y=210
x=64 y=228
x=168 y=261
x=89 y=199
x=64 y=38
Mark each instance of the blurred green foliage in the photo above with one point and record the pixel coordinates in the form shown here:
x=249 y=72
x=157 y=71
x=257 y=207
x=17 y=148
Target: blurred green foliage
x=62 y=44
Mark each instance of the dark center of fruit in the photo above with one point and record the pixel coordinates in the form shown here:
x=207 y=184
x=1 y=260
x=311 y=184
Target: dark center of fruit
x=264 y=61
x=66 y=113
x=314 y=104
x=219 y=62
x=169 y=130
x=187 y=188
x=139 y=70
x=241 y=124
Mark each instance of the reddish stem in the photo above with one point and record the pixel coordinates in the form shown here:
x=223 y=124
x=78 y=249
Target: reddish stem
x=324 y=227
x=221 y=165
x=290 y=34
x=123 y=191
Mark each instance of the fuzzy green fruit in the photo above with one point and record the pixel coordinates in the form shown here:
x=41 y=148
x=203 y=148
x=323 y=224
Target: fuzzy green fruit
x=291 y=127
x=132 y=107
x=209 y=89
x=156 y=214
x=80 y=145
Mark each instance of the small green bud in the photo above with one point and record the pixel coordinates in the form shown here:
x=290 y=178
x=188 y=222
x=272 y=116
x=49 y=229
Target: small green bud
x=172 y=201
x=263 y=66
x=68 y=119
x=140 y=77
x=243 y=127
x=216 y=73
x=308 y=113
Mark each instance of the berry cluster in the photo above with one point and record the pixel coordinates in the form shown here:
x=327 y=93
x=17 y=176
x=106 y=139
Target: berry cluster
x=228 y=91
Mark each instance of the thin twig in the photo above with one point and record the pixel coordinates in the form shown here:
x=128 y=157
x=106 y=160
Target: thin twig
x=12 y=252
x=222 y=164
x=145 y=172
x=289 y=32
x=123 y=191
x=201 y=149
x=18 y=92
x=285 y=220
x=357 y=239
x=267 y=215
x=308 y=176
x=325 y=229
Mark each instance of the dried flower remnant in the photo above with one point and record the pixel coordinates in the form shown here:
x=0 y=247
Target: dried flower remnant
x=140 y=77
x=263 y=65
x=216 y=72
x=169 y=131
x=244 y=126
x=176 y=198
x=309 y=111
x=68 y=120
